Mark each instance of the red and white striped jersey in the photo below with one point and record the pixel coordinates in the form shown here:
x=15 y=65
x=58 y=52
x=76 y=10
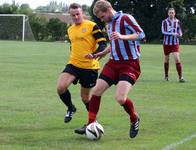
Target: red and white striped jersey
x=171 y=28
x=125 y=24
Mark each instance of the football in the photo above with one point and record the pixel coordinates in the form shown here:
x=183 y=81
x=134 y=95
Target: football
x=94 y=131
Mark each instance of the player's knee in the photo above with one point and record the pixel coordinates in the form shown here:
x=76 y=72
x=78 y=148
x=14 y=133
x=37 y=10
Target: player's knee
x=97 y=91
x=120 y=99
x=84 y=97
x=166 y=60
x=177 y=61
x=61 y=89
x=85 y=100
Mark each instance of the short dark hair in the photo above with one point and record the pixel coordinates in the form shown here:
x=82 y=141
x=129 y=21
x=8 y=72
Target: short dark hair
x=171 y=8
x=75 y=6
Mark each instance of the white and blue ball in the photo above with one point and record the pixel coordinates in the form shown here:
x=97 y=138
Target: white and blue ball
x=94 y=131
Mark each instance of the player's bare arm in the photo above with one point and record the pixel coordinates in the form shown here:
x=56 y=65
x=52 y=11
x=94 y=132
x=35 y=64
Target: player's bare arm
x=103 y=53
x=101 y=47
x=117 y=35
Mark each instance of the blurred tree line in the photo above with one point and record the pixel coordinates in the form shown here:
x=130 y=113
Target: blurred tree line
x=150 y=13
x=54 y=29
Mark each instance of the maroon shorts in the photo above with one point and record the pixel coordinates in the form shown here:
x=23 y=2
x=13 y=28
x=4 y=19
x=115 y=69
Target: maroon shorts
x=170 y=49
x=115 y=71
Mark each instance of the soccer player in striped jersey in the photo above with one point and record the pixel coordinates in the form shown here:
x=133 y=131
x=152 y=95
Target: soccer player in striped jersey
x=86 y=40
x=171 y=30
x=123 y=67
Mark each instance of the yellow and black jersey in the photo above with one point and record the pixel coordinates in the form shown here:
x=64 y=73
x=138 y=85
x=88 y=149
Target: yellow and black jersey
x=84 y=39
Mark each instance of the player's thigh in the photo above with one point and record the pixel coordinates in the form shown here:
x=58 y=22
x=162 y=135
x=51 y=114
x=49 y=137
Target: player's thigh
x=166 y=58
x=100 y=87
x=166 y=49
x=122 y=90
x=64 y=81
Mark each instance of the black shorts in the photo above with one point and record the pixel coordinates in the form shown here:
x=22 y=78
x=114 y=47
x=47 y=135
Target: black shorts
x=86 y=77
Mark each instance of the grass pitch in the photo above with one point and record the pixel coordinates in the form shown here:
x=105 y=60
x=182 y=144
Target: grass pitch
x=31 y=114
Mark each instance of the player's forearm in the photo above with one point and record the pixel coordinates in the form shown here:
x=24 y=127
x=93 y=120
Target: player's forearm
x=173 y=34
x=130 y=37
x=134 y=36
x=107 y=49
x=167 y=33
x=103 y=53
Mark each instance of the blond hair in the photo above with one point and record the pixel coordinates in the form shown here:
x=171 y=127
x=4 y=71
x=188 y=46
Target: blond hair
x=101 y=6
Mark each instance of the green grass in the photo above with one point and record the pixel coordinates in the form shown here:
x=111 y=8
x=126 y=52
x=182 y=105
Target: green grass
x=31 y=114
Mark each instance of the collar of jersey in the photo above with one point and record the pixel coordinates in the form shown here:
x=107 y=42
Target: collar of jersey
x=117 y=15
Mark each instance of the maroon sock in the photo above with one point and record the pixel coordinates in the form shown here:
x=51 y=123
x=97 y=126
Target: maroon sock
x=93 y=108
x=166 y=69
x=129 y=108
x=179 y=69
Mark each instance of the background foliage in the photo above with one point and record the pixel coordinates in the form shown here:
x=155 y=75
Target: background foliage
x=42 y=29
x=148 y=13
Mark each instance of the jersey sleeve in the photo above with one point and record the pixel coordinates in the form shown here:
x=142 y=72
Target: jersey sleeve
x=164 y=28
x=97 y=34
x=134 y=26
x=100 y=39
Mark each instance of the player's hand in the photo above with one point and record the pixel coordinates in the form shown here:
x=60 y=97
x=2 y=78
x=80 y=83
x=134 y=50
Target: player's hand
x=174 y=34
x=115 y=36
x=177 y=35
x=100 y=55
x=90 y=56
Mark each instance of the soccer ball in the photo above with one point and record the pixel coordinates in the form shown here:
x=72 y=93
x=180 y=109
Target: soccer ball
x=94 y=131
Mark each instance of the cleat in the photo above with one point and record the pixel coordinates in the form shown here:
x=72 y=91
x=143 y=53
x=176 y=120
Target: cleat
x=134 y=128
x=166 y=78
x=81 y=130
x=69 y=114
x=181 y=80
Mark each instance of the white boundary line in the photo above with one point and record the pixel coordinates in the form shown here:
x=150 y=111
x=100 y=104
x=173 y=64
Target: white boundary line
x=173 y=145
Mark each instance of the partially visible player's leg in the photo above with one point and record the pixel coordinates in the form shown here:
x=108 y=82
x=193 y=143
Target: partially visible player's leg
x=167 y=51
x=94 y=103
x=123 y=87
x=178 y=66
x=64 y=81
x=106 y=79
x=166 y=67
x=97 y=91
x=128 y=75
x=85 y=96
x=87 y=80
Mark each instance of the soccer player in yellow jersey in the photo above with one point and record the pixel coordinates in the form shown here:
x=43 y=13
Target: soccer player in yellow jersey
x=86 y=40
